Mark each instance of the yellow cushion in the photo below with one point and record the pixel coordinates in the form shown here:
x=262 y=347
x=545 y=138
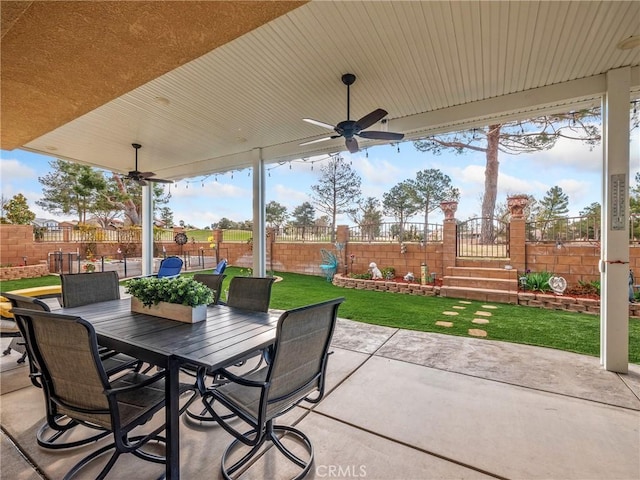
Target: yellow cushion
x=49 y=290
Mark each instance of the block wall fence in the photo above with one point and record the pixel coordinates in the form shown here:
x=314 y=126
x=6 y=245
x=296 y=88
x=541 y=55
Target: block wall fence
x=576 y=262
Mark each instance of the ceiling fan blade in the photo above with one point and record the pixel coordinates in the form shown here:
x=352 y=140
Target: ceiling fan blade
x=371 y=118
x=352 y=145
x=319 y=140
x=145 y=174
x=141 y=182
x=158 y=180
x=320 y=124
x=381 y=135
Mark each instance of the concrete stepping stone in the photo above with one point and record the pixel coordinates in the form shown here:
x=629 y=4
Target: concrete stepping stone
x=480 y=321
x=480 y=313
x=466 y=302
x=450 y=313
x=477 y=332
x=440 y=323
x=490 y=307
x=459 y=307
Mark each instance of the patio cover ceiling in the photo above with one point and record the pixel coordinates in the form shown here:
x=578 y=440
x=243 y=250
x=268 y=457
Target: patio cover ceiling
x=207 y=86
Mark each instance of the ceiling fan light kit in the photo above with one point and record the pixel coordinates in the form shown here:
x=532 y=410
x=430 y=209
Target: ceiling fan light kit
x=143 y=177
x=349 y=129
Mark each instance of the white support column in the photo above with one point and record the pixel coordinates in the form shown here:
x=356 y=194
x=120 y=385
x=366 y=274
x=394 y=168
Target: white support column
x=259 y=229
x=147 y=229
x=614 y=263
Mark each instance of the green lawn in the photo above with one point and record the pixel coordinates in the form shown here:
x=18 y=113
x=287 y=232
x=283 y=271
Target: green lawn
x=570 y=331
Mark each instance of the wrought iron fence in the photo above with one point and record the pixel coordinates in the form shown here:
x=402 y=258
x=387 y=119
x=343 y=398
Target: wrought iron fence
x=564 y=229
x=309 y=233
x=90 y=234
x=396 y=232
x=235 y=235
x=482 y=237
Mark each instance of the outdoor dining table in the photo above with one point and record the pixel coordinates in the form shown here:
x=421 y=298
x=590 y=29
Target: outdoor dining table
x=225 y=337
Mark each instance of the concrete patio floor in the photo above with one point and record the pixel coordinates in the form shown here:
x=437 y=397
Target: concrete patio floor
x=404 y=405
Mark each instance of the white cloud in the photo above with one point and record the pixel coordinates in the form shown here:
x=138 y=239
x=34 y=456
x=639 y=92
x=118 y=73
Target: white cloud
x=568 y=154
x=210 y=190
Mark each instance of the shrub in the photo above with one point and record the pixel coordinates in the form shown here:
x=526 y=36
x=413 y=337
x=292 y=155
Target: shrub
x=537 y=281
x=388 y=273
x=181 y=290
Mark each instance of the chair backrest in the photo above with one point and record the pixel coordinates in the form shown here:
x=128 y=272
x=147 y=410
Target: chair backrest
x=170 y=267
x=21 y=301
x=221 y=267
x=250 y=293
x=28 y=303
x=213 y=281
x=66 y=349
x=85 y=288
x=300 y=355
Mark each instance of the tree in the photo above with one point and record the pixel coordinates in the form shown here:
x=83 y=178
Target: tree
x=432 y=187
x=590 y=224
x=400 y=202
x=17 y=211
x=276 y=214
x=513 y=138
x=553 y=205
x=304 y=215
x=368 y=216
x=166 y=216
x=70 y=188
x=337 y=190
x=126 y=195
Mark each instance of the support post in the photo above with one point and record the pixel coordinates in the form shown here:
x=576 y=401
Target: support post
x=259 y=213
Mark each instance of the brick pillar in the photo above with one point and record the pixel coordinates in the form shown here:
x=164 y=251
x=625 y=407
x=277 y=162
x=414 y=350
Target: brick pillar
x=517 y=240
x=517 y=252
x=217 y=238
x=448 y=244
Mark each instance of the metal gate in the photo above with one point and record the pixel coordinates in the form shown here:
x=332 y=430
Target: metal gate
x=482 y=237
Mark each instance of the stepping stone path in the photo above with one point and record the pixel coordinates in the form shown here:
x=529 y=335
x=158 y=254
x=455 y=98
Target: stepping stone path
x=474 y=332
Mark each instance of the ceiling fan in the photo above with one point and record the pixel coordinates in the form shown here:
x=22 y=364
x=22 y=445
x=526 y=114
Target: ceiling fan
x=349 y=129
x=143 y=177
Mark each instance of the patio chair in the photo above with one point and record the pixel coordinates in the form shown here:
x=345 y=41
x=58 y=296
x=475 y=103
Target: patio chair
x=296 y=374
x=85 y=288
x=213 y=281
x=329 y=264
x=86 y=394
x=221 y=267
x=170 y=267
x=17 y=342
x=55 y=425
x=247 y=293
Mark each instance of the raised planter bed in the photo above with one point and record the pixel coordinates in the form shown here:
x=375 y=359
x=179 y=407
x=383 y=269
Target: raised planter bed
x=532 y=299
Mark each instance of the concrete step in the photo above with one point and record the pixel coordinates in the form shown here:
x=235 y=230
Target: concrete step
x=480 y=294
x=482 y=262
x=507 y=284
x=483 y=272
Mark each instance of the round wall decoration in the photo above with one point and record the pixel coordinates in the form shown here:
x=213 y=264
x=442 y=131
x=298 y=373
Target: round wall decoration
x=181 y=238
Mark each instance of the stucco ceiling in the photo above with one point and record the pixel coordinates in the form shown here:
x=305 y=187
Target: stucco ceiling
x=211 y=86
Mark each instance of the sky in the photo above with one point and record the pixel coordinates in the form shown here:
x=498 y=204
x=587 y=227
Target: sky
x=203 y=201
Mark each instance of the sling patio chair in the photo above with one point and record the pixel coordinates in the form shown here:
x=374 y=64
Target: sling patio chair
x=221 y=267
x=87 y=395
x=247 y=293
x=295 y=374
x=51 y=434
x=80 y=289
x=170 y=267
x=17 y=342
x=213 y=281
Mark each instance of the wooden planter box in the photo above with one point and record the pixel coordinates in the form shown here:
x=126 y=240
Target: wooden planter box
x=172 y=311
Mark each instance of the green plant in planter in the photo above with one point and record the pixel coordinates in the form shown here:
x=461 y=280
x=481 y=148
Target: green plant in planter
x=181 y=290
